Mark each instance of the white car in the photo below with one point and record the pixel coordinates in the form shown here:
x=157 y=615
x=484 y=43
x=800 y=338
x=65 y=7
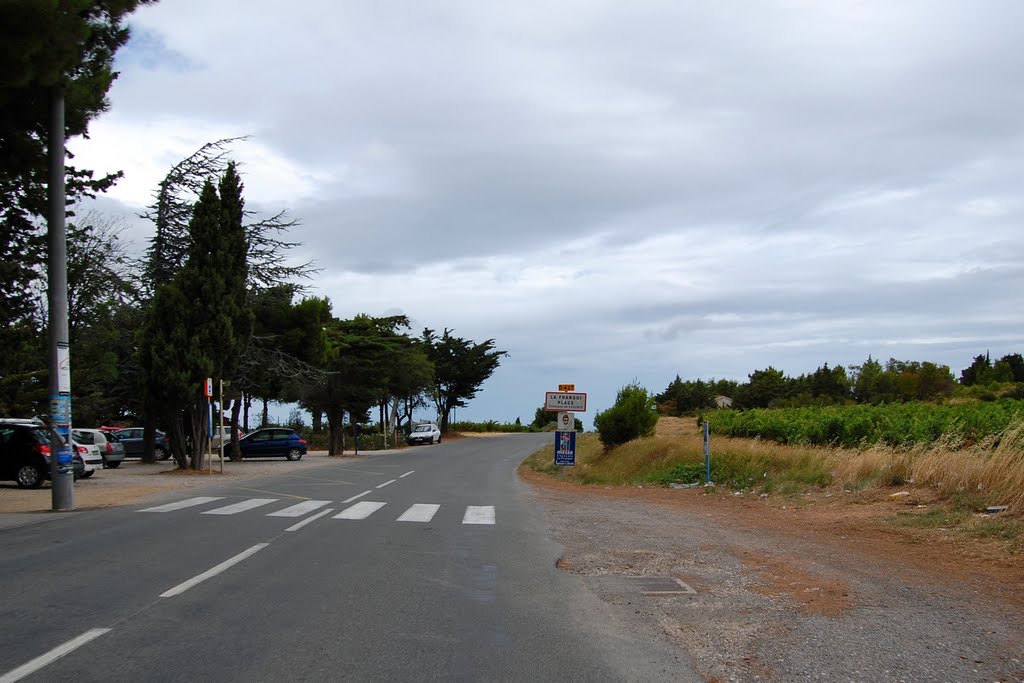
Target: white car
x=90 y=456
x=425 y=433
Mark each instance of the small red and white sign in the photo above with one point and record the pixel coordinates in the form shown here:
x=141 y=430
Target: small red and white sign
x=566 y=422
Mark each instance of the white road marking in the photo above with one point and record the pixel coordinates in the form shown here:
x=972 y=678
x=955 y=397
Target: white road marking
x=181 y=504
x=235 y=508
x=359 y=510
x=479 y=514
x=386 y=483
x=209 y=573
x=358 y=495
x=300 y=509
x=52 y=656
x=306 y=521
x=420 y=512
x=406 y=474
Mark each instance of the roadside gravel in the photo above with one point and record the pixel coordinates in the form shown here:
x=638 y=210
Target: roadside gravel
x=784 y=594
x=133 y=481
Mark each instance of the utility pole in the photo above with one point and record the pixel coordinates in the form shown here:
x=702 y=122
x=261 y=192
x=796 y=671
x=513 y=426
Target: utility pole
x=62 y=475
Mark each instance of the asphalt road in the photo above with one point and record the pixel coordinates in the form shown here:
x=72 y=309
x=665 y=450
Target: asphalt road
x=440 y=568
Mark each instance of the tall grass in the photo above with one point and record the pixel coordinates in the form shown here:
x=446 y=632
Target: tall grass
x=989 y=471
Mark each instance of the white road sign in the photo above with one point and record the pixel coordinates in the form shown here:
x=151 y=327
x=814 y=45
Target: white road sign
x=565 y=401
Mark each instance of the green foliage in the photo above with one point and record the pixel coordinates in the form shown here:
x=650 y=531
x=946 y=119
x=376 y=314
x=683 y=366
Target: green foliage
x=460 y=368
x=490 y=426
x=864 y=425
x=634 y=415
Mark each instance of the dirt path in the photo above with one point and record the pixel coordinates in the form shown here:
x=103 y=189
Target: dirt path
x=819 y=590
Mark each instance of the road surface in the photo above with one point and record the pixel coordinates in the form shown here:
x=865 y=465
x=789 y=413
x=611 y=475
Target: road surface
x=431 y=563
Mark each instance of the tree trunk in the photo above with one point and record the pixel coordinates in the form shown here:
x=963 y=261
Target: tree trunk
x=265 y=420
x=235 y=450
x=176 y=435
x=336 y=436
x=318 y=420
x=198 y=433
x=149 y=438
x=248 y=404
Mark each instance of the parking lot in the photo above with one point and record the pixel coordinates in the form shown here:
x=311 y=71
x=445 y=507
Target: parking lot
x=133 y=481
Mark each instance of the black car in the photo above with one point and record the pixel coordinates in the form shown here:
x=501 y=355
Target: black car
x=271 y=442
x=132 y=437
x=24 y=454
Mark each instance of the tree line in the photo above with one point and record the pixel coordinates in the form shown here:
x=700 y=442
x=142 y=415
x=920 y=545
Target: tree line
x=216 y=294
x=870 y=383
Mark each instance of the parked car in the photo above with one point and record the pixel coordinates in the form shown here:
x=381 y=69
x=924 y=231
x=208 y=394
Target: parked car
x=223 y=434
x=111 y=450
x=426 y=432
x=24 y=453
x=271 y=442
x=90 y=456
x=131 y=437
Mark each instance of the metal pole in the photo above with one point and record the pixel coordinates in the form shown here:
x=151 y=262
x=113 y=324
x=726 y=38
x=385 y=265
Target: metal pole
x=62 y=474
x=707 y=452
x=221 y=427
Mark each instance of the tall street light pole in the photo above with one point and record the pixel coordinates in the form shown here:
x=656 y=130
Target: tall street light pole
x=62 y=476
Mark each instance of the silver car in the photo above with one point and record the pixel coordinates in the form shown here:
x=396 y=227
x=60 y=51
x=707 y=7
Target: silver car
x=111 y=450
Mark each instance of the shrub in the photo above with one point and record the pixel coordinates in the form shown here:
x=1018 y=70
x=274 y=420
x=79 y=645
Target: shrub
x=633 y=416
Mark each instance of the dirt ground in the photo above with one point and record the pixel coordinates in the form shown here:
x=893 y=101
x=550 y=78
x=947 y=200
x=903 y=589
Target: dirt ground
x=133 y=481
x=807 y=588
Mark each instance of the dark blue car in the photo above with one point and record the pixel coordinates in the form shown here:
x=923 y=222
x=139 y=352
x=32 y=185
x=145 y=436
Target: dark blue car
x=271 y=442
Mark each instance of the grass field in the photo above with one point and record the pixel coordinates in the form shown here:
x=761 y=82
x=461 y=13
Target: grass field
x=964 y=478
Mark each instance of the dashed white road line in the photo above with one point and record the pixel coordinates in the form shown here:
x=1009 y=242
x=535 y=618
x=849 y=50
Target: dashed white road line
x=52 y=656
x=306 y=521
x=392 y=481
x=420 y=512
x=403 y=476
x=182 y=504
x=300 y=509
x=244 y=505
x=355 y=497
x=359 y=510
x=209 y=573
x=479 y=514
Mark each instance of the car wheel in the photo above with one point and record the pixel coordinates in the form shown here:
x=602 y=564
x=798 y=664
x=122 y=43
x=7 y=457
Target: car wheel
x=294 y=454
x=86 y=475
x=163 y=454
x=30 y=476
x=114 y=465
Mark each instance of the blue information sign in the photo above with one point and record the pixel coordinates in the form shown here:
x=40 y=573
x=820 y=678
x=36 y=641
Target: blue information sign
x=64 y=455
x=565 y=448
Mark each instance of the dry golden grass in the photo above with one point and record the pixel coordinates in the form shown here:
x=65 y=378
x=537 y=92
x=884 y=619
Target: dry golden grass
x=987 y=473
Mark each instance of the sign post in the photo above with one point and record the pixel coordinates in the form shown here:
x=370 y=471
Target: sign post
x=564 y=402
x=707 y=453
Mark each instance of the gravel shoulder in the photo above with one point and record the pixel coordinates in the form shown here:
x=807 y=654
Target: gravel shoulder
x=793 y=590
x=134 y=481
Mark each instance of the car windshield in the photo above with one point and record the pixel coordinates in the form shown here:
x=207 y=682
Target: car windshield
x=422 y=428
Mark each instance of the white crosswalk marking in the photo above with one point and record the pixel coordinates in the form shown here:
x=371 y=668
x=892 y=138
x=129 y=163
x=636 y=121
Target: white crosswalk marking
x=182 y=504
x=300 y=509
x=479 y=514
x=420 y=512
x=244 y=505
x=359 y=510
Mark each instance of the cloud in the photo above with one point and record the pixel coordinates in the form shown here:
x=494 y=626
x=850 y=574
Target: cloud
x=615 y=190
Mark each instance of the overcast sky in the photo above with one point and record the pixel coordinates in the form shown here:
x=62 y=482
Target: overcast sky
x=613 y=191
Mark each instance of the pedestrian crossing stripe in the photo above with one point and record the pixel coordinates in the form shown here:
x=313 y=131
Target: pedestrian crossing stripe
x=360 y=510
x=418 y=512
x=242 y=506
x=300 y=509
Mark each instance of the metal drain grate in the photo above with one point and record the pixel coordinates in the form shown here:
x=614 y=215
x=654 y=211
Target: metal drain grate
x=645 y=585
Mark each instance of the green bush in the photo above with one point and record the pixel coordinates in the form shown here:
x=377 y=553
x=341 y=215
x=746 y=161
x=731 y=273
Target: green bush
x=633 y=416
